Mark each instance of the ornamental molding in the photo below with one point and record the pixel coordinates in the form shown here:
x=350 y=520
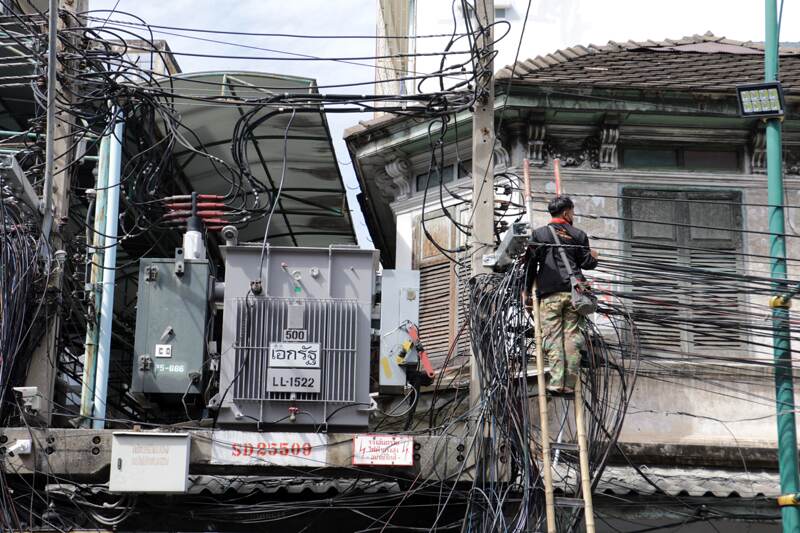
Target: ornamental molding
x=758 y=155
x=536 y=153
x=758 y=152
x=399 y=171
x=578 y=149
x=501 y=158
x=608 y=155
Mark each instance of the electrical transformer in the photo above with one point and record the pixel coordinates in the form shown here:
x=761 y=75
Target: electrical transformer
x=296 y=336
x=171 y=318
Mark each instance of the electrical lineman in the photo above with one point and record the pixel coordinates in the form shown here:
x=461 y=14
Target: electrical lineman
x=563 y=338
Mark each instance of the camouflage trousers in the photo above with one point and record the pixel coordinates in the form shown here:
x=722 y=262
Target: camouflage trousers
x=562 y=339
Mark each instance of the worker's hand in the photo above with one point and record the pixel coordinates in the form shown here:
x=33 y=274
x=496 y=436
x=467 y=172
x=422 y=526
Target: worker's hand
x=594 y=253
x=527 y=301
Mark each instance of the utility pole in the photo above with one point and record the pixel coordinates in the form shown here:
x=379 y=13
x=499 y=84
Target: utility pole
x=483 y=139
x=55 y=196
x=784 y=388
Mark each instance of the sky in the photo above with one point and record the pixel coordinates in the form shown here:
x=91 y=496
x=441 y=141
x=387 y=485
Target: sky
x=552 y=24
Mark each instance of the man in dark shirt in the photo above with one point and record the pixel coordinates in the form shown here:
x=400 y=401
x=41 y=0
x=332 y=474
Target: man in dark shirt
x=562 y=335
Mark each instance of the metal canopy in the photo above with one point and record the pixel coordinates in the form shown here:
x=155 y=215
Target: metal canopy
x=312 y=209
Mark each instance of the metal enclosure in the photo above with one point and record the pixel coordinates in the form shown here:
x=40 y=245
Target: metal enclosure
x=171 y=315
x=149 y=462
x=297 y=354
x=399 y=304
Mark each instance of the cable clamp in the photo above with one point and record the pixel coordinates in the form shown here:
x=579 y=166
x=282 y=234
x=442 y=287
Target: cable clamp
x=780 y=301
x=788 y=500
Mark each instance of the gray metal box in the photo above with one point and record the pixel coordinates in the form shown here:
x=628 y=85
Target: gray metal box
x=171 y=316
x=149 y=462
x=303 y=342
x=399 y=304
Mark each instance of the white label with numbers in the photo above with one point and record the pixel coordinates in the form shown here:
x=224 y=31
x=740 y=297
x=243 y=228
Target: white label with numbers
x=294 y=380
x=294 y=355
x=290 y=335
x=163 y=350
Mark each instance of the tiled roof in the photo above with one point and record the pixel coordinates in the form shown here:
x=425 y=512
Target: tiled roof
x=699 y=62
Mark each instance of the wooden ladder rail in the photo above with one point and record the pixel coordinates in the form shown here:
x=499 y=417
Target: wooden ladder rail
x=544 y=430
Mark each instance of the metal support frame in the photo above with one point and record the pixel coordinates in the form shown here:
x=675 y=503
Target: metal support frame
x=782 y=352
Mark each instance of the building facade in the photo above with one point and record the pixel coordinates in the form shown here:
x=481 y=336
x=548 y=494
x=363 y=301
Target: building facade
x=669 y=183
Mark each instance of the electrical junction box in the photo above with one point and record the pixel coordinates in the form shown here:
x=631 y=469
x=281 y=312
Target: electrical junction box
x=399 y=304
x=295 y=351
x=512 y=246
x=149 y=462
x=171 y=315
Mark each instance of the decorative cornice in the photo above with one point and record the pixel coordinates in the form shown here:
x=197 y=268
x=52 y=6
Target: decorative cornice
x=586 y=156
x=654 y=178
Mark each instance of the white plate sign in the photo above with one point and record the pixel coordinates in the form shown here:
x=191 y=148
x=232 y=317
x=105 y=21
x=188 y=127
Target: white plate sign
x=393 y=450
x=294 y=355
x=163 y=350
x=294 y=380
x=267 y=449
x=295 y=335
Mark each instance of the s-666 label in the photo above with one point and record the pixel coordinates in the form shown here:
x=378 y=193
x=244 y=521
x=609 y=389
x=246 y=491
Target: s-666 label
x=294 y=380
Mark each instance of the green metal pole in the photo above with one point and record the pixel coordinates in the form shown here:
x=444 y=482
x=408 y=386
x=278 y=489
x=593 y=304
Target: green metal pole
x=784 y=388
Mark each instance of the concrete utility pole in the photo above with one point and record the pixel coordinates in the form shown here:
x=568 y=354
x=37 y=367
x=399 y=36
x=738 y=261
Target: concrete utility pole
x=55 y=196
x=483 y=139
x=782 y=353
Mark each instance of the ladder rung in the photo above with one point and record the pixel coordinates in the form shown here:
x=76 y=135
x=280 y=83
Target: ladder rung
x=564 y=446
x=568 y=502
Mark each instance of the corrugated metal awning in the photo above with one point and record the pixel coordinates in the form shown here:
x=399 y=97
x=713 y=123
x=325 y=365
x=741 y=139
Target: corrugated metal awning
x=312 y=209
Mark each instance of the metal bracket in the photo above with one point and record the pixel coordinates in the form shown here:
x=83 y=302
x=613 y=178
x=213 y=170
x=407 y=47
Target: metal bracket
x=151 y=273
x=780 y=301
x=169 y=331
x=180 y=266
x=145 y=362
x=255 y=287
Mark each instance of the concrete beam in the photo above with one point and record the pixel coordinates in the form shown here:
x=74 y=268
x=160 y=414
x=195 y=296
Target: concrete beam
x=86 y=454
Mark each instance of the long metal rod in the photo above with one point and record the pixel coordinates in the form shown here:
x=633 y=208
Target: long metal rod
x=109 y=266
x=782 y=353
x=52 y=89
x=544 y=424
x=95 y=282
x=583 y=455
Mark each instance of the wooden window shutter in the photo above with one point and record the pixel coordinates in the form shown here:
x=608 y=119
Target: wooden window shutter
x=656 y=318
x=715 y=301
x=438 y=314
x=697 y=229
